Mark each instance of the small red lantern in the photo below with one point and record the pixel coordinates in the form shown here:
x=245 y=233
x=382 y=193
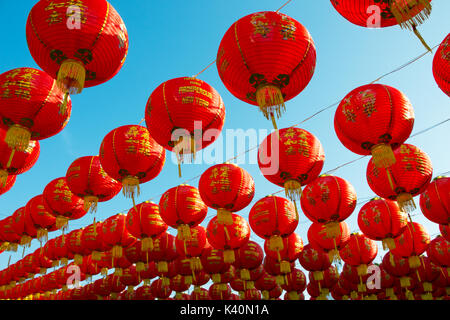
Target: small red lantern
x=213 y=263
x=159 y=290
x=412 y=243
x=435 y=201
x=291 y=158
x=18 y=226
x=439 y=252
x=295 y=284
x=359 y=251
x=441 y=65
x=219 y=291
x=315 y=261
x=116 y=235
x=226 y=188
x=92 y=240
x=320 y=240
x=164 y=251
x=292 y=248
x=408 y=177
x=248 y=257
x=192 y=249
x=43 y=220
x=265 y=59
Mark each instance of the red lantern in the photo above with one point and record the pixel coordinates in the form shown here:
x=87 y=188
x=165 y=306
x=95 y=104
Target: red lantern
x=319 y=240
x=144 y=293
x=265 y=59
x=181 y=208
x=92 y=240
x=226 y=188
x=213 y=263
x=30 y=105
x=248 y=257
x=81 y=44
x=159 y=290
x=382 y=219
x=62 y=203
x=295 y=284
x=43 y=220
x=130 y=155
x=328 y=281
x=426 y=274
x=130 y=278
x=441 y=65
x=200 y=294
x=273 y=267
x=329 y=200
x=266 y=284
x=445 y=231
x=435 y=201
x=164 y=251
x=291 y=158
x=219 y=291
x=359 y=251
x=292 y=247
x=87 y=179
x=439 y=252
x=20 y=227
x=185 y=115
x=315 y=261
x=116 y=235
x=228 y=237
x=408 y=177
x=412 y=243
x=192 y=249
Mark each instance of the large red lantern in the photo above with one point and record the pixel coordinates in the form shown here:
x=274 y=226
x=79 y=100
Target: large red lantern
x=382 y=219
x=43 y=220
x=386 y=13
x=408 y=177
x=435 y=201
x=441 y=65
x=30 y=105
x=86 y=179
x=228 y=237
x=359 y=251
x=291 y=158
x=116 y=235
x=130 y=155
x=413 y=241
x=226 y=188
x=265 y=59
x=185 y=115
x=79 y=43
x=329 y=200
x=319 y=239
x=181 y=208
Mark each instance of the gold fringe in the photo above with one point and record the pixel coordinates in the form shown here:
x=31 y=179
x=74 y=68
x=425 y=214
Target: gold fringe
x=293 y=295
x=184 y=148
x=61 y=222
x=276 y=243
x=25 y=241
x=78 y=259
x=147 y=244
x=333 y=255
x=224 y=217
x=403 y=15
x=228 y=256
x=293 y=189
x=265 y=295
x=162 y=266
x=405 y=282
x=428 y=286
x=422 y=40
x=389 y=292
x=131 y=187
x=414 y=262
x=18 y=137
x=318 y=275
x=184 y=232
x=332 y=229
x=216 y=278
x=96 y=255
x=388 y=244
x=270 y=100
x=245 y=274
x=118 y=272
x=405 y=202
x=195 y=263
x=117 y=252
x=3 y=177
x=71 y=76
x=382 y=156
x=280 y=279
x=42 y=235
x=362 y=269
x=90 y=203
x=285 y=267
x=140 y=266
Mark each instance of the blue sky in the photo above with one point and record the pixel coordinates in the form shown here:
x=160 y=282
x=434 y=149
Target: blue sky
x=176 y=38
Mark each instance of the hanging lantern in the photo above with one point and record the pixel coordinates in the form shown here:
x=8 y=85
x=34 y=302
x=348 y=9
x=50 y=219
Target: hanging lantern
x=164 y=251
x=292 y=247
x=86 y=179
x=407 y=13
x=265 y=59
x=185 y=115
x=441 y=65
x=42 y=220
x=273 y=267
x=426 y=274
x=116 y=235
x=439 y=252
x=182 y=208
x=228 y=237
x=328 y=200
x=435 y=201
x=213 y=263
x=319 y=239
x=62 y=203
x=219 y=291
x=160 y=291
x=248 y=257
x=201 y=294
x=359 y=251
x=408 y=177
x=70 y=41
x=20 y=227
x=295 y=284
x=315 y=261
x=68 y=247
x=273 y=218
x=382 y=219
x=329 y=280
x=144 y=293
x=130 y=278
x=92 y=240
x=268 y=286
x=412 y=243
x=356 y=281
x=30 y=104
x=130 y=155
x=226 y=188
x=192 y=249
x=291 y=158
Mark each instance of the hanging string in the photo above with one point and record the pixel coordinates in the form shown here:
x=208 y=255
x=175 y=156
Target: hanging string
x=283 y=6
x=209 y=65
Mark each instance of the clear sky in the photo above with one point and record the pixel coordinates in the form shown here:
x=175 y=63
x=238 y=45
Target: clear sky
x=175 y=38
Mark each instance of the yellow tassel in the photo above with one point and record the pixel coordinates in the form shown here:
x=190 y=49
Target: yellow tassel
x=405 y=202
x=61 y=222
x=354 y=295
x=285 y=267
x=104 y=272
x=332 y=229
x=147 y=282
x=118 y=272
x=165 y=281
x=117 y=252
x=405 y=282
x=333 y=255
x=216 y=278
x=64 y=261
x=428 y=286
x=3 y=177
x=188 y=280
x=274 y=121
x=270 y=100
x=388 y=244
x=25 y=241
x=276 y=243
x=140 y=266
x=427 y=296
x=403 y=12
x=382 y=156
x=90 y=203
x=228 y=256
x=131 y=187
x=96 y=256
x=245 y=274
x=42 y=235
x=362 y=287
x=318 y=275
x=409 y=295
x=71 y=76
x=42 y=271
x=389 y=292
x=147 y=244
x=293 y=189
x=185 y=147
x=224 y=217
x=184 y=232
x=293 y=295
x=78 y=259
x=265 y=295
x=130 y=289
x=414 y=262
x=362 y=269
x=280 y=279
x=162 y=266
x=18 y=137
x=250 y=285
x=422 y=40
x=195 y=263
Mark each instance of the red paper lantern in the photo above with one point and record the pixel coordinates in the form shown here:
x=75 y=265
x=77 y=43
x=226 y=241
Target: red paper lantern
x=268 y=286
x=320 y=240
x=164 y=251
x=82 y=44
x=181 y=208
x=213 y=263
x=359 y=251
x=144 y=293
x=412 y=243
x=295 y=283
x=439 y=252
x=92 y=240
x=159 y=290
x=192 y=249
x=19 y=227
x=385 y=13
x=408 y=177
x=43 y=220
x=228 y=237
x=291 y=158
x=248 y=257
x=130 y=155
x=382 y=219
x=315 y=261
x=328 y=281
x=116 y=235
x=86 y=179
x=218 y=291
x=200 y=294
x=265 y=59
x=329 y=200
x=441 y=65
x=292 y=248
x=226 y=188
x=185 y=115
x=30 y=107
x=435 y=201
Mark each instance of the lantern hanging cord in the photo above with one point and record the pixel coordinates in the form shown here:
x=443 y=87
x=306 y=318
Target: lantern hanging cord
x=206 y=68
x=283 y=5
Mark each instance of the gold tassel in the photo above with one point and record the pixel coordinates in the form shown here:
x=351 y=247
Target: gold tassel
x=428 y=286
x=414 y=262
x=25 y=241
x=165 y=281
x=130 y=289
x=293 y=295
x=117 y=252
x=224 y=217
x=140 y=266
x=147 y=244
x=333 y=255
x=18 y=137
x=318 y=275
x=388 y=244
x=78 y=259
x=96 y=255
x=276 y=243
x=332 y=229
x=382 y=156
x=228 y=256
x=63 y=105
x=188 y=280
x=404 y=16
x=280 y=279
x=285 y=267
x=118 y=272
x=362 y=287
x=162 y=266
x=265 y=295
x=184 y=232
x=427 y=296
x=405 y=202
x=3 y=177
x=42 y=235
x=104 y=272
x=405 y=282
x=71 y=76
x=250 y=285
x=274 y=121
x=65 y=261
x=61 y=222
x=270 y=100
x=195 y=263
x=131 y=187
x=362 y=269
x=216 y=278
x=422 y=40
x=389 y=292
x=90 y=203
x=185 y=147
x=245 y=274
x=293 y=189
x=354 y=295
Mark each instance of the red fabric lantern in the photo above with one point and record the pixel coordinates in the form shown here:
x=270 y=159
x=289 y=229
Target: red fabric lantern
x=144 y=293
x=441 y=65
x=226 y=188
x=219 y=291
x=426 y=274
x=248 y=257
x=291 y=158
x=395 y=265
x=435 y=201
x=266 y=283
x=315 y=261
x=292 y=247
x=213 y=263
x=295 y=283
x=144 y=222
x=130 y=155
x=265 y=59
x=373 y=120
x=86 y=179
x=273 y=218
x=319 y=240
x=359 y=251
x=130 y=278
x=192 y=249
x=42 y=220
x=273 y=267
x=116 y=235
x=412 y=243
x=185 y=115
x=445 y=231
x=328 y=281
x=329 y=200
x=408 y=177
x=92 y=240
x=164 y=251
x=228 y=237
x=82 y=44
x=30 y=105
x=385 y=13
x=200 y=294
x=382 y=219
x=8 y=184
x=159 y=290
x=181 y=208
x=19 y=227
x=439 y=252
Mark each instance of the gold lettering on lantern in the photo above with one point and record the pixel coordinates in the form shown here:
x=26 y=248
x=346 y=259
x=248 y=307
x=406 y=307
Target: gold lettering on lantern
x=22 y=93
x=260 y=27
x=220 y=176
x=195 y=89
x=54 y=17
x=288 y=28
